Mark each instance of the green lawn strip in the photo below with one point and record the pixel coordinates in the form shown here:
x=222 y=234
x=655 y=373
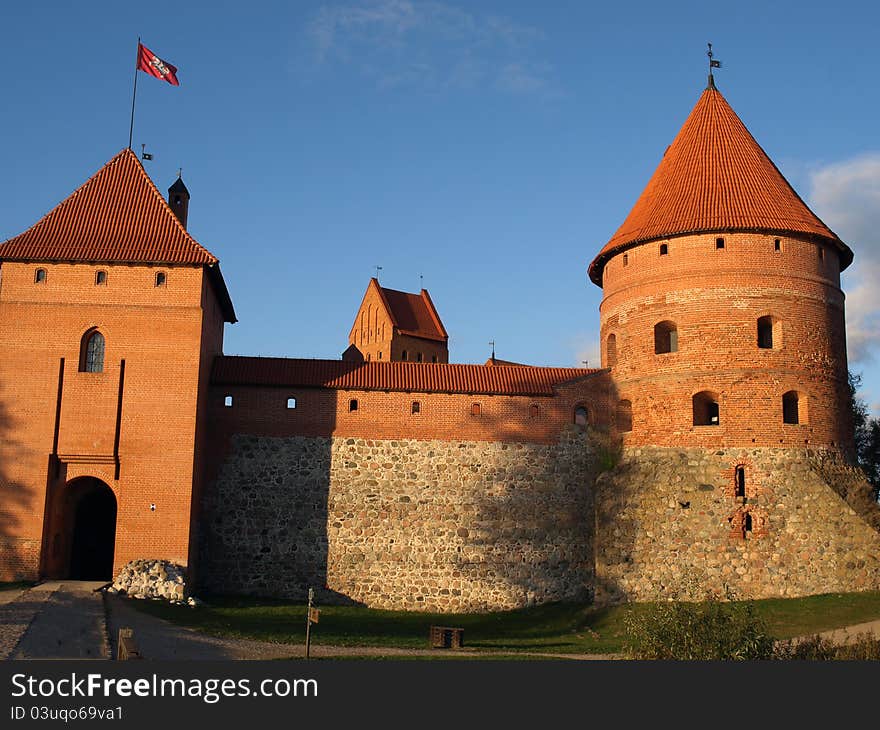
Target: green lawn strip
x=554 y=628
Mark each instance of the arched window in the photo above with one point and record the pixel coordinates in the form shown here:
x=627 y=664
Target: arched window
x=624 y=416
x=534 y=410
x=40 y=276
x=91 y=356
x=794 y=407
x=769 y=333
x=291 y=404
x=161 y=279
x=739 y=482
x=611 y=350
x=100 y=278
x=706 y=412
x=476 y=409
x=665 y=338
x=581 y=417
x=352 y=405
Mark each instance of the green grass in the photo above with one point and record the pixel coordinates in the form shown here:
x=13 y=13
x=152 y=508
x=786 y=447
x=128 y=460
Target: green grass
x=554 y=628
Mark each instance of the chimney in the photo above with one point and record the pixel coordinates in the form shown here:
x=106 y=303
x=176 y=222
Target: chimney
x=178 y=200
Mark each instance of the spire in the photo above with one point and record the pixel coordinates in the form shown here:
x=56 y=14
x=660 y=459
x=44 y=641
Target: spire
x=712 y=64
x=715 y=177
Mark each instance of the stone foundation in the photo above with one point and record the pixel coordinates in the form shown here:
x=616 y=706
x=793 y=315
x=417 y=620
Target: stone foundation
x=670 y=525
x=403 y=524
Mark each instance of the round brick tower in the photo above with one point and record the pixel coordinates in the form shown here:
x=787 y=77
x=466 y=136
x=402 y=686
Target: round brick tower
x=722 y=317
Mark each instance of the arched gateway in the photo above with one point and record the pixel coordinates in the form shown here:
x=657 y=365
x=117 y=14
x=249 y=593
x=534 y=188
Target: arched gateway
x=90 y=516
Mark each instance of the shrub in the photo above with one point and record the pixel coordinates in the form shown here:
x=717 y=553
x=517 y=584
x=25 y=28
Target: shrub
x=860 y=648
x=710 y=630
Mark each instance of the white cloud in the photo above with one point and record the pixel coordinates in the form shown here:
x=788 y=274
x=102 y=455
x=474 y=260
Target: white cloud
x=847 y=197
x=430 y=44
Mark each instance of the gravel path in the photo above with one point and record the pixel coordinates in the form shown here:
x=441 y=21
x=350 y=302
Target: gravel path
x=66 y=622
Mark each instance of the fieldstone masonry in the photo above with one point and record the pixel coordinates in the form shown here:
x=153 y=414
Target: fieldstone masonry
x=670 y=526
x=404 y=524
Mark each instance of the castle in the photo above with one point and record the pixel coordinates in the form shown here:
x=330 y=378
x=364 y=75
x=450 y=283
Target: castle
x=708 y=454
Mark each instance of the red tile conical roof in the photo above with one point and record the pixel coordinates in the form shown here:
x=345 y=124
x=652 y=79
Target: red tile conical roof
x=118 y=215
x=715 y=177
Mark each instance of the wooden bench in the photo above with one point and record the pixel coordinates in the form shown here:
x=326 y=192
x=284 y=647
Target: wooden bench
x=126 y=648
x=446 y=637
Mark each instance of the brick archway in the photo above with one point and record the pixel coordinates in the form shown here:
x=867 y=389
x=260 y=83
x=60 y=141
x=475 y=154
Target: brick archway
x=90 y=522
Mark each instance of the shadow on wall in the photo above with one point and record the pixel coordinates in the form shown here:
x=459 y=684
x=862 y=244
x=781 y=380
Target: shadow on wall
x=19 y=554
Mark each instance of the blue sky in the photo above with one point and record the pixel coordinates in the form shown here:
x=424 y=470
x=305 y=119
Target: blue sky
x=491 y=147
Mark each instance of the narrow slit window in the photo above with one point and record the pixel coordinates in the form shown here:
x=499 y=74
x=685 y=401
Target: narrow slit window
x=291 y=404
x=777 y=245
x=769 y=333
x=791 y=407
x=419 y=357
x=747 y=522
x=403 y=355
x=626 y=259
x=739 y=482
x=433 y=358
x=380 y=355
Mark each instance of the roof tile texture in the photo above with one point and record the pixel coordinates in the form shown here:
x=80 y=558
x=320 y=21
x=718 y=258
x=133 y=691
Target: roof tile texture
x=413 y=314
x=392 y=376
x=118 y=215
x=715 y=177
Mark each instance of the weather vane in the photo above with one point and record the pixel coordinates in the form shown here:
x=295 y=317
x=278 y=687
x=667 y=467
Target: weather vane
x=712 y=64
x=378 y=269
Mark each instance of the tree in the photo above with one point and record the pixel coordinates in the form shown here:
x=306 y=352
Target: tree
x=866 y=435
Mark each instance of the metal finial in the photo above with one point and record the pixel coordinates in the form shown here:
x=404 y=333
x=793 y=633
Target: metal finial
x=421 y=282
x=378 y=269
x=712 y=64
x=492 y=342
x=179 y=172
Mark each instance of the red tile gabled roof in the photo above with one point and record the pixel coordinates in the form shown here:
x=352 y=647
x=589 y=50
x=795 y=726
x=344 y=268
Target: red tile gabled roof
x=392 y=376
x=117 y=216
x=715 y=177
x=412 y=314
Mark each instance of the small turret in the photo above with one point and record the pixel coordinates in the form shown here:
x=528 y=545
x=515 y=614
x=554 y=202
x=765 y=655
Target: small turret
x=178 y=200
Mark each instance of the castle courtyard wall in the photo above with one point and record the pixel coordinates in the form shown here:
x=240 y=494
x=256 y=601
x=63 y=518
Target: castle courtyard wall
x=425 y=525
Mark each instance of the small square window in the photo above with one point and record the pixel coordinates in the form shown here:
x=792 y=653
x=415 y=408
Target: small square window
x=161 y=279
x=476 y=410
x=100 y=278
x=416 y=408
x=227 y=401
x=291 y=403
x=719 y=244
x=40 y=276
x=664 y=249
x=352 y=405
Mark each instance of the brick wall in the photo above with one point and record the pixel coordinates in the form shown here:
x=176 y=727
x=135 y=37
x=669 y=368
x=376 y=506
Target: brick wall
x=715 y=298
x=158 y=332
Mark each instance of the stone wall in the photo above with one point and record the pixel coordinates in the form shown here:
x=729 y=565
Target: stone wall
x=406 y=524
x=670 y=525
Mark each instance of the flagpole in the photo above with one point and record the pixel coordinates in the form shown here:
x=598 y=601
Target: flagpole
x=134 y=93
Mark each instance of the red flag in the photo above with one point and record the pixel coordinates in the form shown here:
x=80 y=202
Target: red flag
x=150 y=63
